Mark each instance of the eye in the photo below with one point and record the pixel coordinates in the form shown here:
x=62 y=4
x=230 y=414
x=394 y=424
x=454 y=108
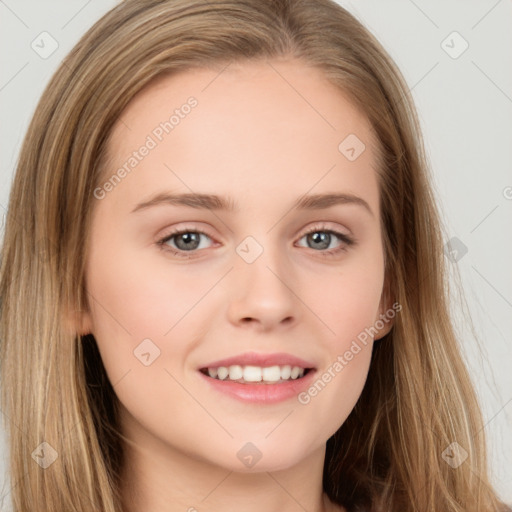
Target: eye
x=184 y=240
x=320 y=238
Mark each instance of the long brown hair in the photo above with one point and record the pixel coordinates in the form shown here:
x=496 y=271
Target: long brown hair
x=418 y=399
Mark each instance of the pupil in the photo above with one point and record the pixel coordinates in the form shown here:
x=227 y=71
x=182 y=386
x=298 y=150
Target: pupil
x=189 y=238
x=318 y=236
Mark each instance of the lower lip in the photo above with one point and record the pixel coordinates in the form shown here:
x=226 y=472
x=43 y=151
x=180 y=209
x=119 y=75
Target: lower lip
x=261 y=393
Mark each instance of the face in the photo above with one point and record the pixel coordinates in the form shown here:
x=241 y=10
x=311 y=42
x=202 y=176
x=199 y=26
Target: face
x=259 y=274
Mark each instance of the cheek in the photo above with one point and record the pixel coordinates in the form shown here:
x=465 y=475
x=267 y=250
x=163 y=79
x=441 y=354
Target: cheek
x=144 y=325
x=347 y=300
x=146 y=318
x=134 y=299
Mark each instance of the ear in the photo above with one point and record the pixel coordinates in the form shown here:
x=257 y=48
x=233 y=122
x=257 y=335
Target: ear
x=78 y=322
x=385 y=318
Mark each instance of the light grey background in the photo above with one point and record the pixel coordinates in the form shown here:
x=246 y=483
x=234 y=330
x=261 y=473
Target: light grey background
x=465 y=107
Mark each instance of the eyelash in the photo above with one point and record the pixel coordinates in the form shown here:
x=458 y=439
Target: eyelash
x=346 y=239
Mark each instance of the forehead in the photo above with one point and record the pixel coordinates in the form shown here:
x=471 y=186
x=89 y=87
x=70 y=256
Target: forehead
x=252 y=123
x=245 y=87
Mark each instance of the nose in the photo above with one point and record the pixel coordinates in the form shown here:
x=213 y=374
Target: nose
x=263 y=295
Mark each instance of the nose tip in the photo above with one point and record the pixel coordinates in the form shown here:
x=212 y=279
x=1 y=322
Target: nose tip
x=261 y=296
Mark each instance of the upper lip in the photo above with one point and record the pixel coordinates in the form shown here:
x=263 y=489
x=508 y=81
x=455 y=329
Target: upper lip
x=263 y=360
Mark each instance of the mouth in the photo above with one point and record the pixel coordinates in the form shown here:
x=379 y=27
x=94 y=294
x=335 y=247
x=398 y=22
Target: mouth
x=259 y=378
x=263 y=375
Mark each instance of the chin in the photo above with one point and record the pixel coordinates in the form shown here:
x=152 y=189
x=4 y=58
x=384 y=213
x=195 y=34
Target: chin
x=260 y=457
x=269 y=465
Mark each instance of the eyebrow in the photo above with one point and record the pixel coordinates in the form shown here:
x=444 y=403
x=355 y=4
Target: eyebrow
x=215 y=202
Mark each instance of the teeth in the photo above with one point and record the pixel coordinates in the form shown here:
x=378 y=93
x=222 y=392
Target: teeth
x=271 y=374
x=235 y=372
x=252 y=374
x=222 y=372
x=256 y=373
x=286 y=371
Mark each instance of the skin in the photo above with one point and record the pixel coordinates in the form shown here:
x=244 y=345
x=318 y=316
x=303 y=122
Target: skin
x=265 y=144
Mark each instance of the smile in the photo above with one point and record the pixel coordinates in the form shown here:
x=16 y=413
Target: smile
x=256 y=374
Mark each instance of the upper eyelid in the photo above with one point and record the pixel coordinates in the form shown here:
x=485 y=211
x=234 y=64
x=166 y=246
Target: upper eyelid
x=186 y=229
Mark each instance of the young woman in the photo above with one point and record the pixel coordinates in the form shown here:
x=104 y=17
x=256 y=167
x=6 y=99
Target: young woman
x=222 y=280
